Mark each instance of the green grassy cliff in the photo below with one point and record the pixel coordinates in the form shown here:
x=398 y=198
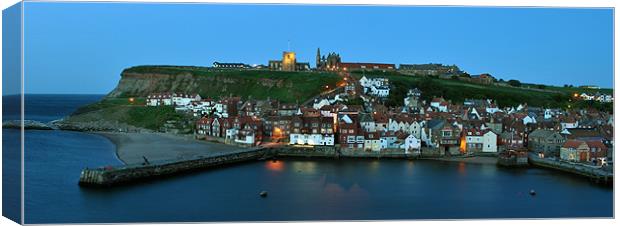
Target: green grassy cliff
x=289 y=87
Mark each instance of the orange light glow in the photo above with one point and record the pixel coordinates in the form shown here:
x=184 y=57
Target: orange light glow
x=275 y=165
x=575 y=95
x=277 y=133
x=131 y=100
x=463 y=146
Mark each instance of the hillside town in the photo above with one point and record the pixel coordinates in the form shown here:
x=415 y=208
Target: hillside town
x=439 y=127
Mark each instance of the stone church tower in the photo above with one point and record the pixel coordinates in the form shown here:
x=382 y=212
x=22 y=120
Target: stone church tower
x=289 y=62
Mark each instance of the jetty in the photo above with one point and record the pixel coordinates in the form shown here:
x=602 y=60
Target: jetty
x=110 y=176
x=595 y=174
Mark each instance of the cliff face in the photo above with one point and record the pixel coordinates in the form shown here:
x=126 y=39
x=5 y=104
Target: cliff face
x=284 y=86
x=143 y=84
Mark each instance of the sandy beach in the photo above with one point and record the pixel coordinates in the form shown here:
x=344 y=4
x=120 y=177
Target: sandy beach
x=131 y=147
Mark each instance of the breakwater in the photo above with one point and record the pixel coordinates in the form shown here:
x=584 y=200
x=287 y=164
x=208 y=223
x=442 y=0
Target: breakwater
x=595 y=174
x=109 y=176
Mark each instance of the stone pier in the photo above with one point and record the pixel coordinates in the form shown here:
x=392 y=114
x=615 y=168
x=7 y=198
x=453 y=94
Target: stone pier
x=109 y=176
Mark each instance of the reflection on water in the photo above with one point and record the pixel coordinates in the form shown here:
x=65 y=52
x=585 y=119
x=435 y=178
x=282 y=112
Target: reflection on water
x=488 y=170
x=304 y=166
x=461 y=169
x=304 y=189
x=274 y=165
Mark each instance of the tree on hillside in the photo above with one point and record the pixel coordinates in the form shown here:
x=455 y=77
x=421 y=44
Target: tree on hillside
x=513 y=82
x=541 y=86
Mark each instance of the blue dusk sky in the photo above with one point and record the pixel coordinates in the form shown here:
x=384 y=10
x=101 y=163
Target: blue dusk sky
x=82 y=47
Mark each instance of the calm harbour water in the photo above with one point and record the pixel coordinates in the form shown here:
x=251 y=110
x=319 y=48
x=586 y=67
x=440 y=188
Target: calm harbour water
x=299 y=189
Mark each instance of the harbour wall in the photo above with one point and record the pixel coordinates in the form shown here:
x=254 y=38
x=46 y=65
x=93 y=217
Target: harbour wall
x=108 y=176
x=598 y=175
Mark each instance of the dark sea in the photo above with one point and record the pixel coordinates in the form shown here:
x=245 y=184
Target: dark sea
x=299 y=189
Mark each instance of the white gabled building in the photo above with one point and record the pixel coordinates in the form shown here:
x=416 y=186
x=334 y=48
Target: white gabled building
x=159 y=99
x=181 y=99
x=415 y=129
x=320 y=103
x=378 y=87
x=528 y=119
x=489 y=142
x=311 y=139
x=380 y=91
x=412 y=144
x=480 y=141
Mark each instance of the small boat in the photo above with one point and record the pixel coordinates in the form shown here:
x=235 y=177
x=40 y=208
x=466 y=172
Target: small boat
x=263 y=194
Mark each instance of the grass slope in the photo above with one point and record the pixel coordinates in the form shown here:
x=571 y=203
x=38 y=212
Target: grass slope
x=457 y=91
x=289 y=87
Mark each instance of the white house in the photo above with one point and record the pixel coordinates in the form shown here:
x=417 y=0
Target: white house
x=380 y=91
x=528 y=119
x=375 y=86
x=364 y=81
x=412 y=144
x=569 y=124
x=319 y=104
x=435 y=102
x=181 y=99
x=311 y=139
x=393 y=125
x=481 y=140
x=415 y=129
x=159 y=99
x=492 y=108
x=443 y=107
x=247 y=139
x=367 y=123
x=231 y=134
x=474 y=140
x=548 y=114
x=372 y=141
x=585 y=96
x=489 y=142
